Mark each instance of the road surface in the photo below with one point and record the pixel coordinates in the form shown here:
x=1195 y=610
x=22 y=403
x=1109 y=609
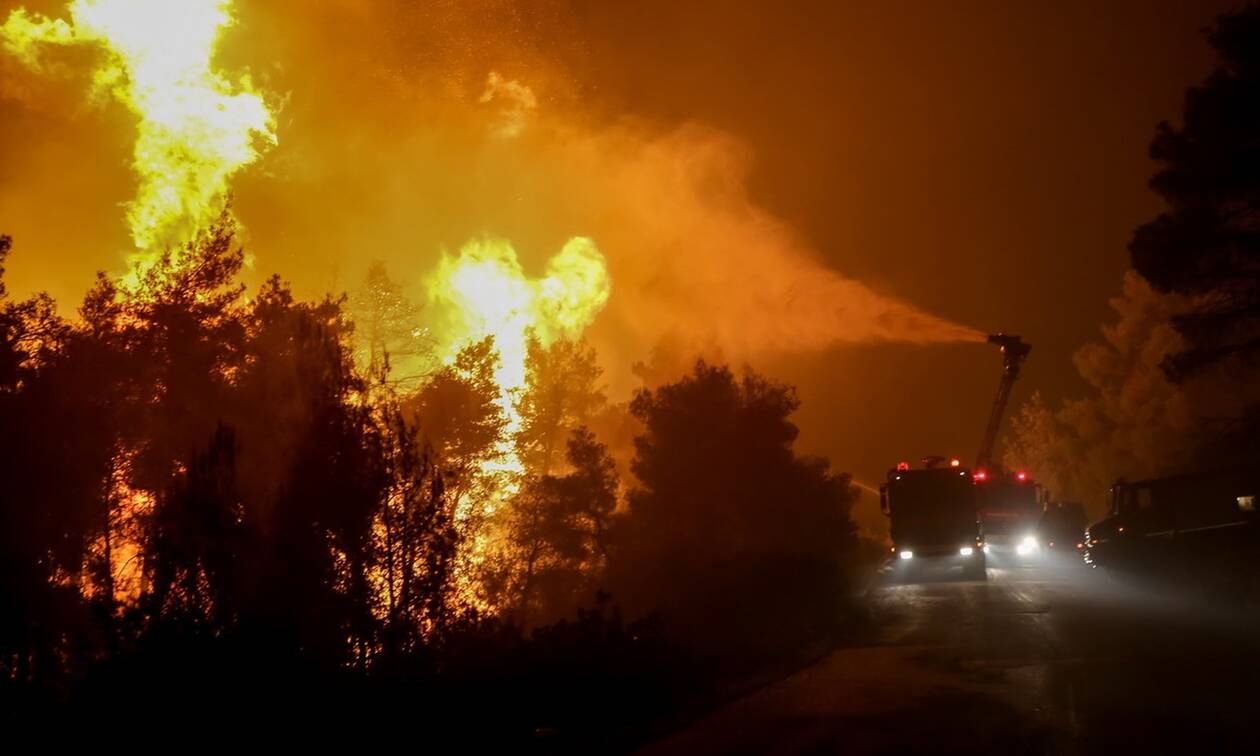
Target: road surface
x=1045 y=657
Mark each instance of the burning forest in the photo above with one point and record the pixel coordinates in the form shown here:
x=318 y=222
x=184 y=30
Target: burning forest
x=366 y=479
x=369 y=357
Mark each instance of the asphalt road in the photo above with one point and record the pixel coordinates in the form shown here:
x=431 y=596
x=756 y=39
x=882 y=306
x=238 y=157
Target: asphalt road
x=1047 y=656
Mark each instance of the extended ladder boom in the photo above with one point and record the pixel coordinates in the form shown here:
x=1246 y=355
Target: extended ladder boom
x=1014 y=350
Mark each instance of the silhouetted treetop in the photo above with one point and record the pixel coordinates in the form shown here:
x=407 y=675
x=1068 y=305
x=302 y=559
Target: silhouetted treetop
x=458 y=412
x=561 y=394
x=6 y=244
x=1207 y=243
x=710 y=413
x=558 y=530
x=391 y=344
x=725 y=513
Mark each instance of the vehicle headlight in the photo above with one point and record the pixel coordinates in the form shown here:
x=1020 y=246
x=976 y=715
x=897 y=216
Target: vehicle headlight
x=907 y=554
x=1027 y=546
x=966 y=551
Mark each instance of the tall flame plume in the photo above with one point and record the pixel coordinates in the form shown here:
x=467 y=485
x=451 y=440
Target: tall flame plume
x=483 y=291
x=196 y=125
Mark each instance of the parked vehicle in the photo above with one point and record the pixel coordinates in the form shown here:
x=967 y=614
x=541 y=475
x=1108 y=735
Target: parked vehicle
x=1201 y=529
x=1062 y=526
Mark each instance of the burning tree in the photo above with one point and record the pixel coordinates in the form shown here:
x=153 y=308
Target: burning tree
x=560 y=395
x=392 y=346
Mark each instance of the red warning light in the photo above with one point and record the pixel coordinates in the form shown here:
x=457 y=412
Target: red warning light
x=1021 y=476
x=903 y=466
x=980 y=476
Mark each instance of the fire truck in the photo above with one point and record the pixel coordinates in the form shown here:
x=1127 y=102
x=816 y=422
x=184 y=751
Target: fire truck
x=1010 y=509
x=1007 y=500
x=932 y=516
x=947 y=511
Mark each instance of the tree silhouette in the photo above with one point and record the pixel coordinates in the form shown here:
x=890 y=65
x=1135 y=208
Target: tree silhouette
x=1207 y=243
x=416 y=544
x=55 y=448
x=391 y=344
x=589 y=493
x=181 y=329
x=316 y=497
x=561 y=394
x=197 y=541
x=727 y=524
x=459 y=415
x=557 y=532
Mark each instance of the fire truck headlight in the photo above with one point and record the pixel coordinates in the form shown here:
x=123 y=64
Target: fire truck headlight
x=1027 y=546
x=966 y=551
x=907 y=554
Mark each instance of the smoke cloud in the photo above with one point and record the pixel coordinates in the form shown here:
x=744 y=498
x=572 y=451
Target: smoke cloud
x=407 y=131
